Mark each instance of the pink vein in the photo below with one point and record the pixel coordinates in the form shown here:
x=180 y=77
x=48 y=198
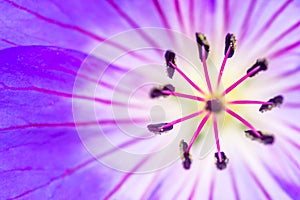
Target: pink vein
x=195 y=187
x=133 y=24
x=74 y=124
x=282 y=35
x=71 y=171
x=69 y=26
x=179 y=16
x=284 y=50
x=272 y=19
x=52 y=92
x=161 y=14
x=191 y=15
x=226 y=15
x=245 y=25
x=125 y=178
x=9 y=42
x=258 y=182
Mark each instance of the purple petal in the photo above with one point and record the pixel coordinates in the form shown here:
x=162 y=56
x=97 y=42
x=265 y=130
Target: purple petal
x=41 y=153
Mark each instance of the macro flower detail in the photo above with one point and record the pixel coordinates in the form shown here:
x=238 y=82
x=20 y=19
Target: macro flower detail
x=214 y=101
x=111 y=99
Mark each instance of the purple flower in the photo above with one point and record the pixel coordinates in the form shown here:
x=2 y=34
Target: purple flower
x=76 y=85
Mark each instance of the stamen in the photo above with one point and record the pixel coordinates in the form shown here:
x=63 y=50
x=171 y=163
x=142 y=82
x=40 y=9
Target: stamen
x=249 y=102
x=155 y=93
x=168 y=87
x=230 y=46
x=159 y=128
x=230 y=43
x=217 y=138
x=206 y=73
x=214 y=103
x=202 y=42
x=187 y=78
x=223 y=163
x=274 y=102
x=183 y=119
x=222 y=68
x=187 y=96
x=261 y=63
x=265 y=138
x=158 y=92
x=241 y=80
x=203 y=48
x=202 y=123
x=185 y=155
x=170 y=58
x=243 y=121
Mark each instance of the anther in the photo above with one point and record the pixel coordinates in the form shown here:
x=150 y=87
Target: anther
x=275 y=102
x=214 y=105
x=260 y=65
x=159 y=128
x=202 y=42
x=158 y=92
x=265 y=138
x=221 y=164
x=185 y=155
x=230 y=42
x=169 y=88
x=170 y=58
x=155 y=93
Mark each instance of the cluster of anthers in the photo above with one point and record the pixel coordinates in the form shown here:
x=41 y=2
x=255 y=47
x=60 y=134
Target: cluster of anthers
x=214 y=101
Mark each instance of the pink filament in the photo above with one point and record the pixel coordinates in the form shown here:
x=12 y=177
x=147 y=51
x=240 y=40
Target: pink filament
x=202 y=123
x=249 y=102
x=183 y=119
x=206 y=70
x=217 y=137
x=243 y=121
x=223 y=66
x=187 y=78
x=240 y=81
x=187 y=96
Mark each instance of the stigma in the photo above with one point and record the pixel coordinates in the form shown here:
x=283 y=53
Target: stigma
x=214 y=100
x=214 y=105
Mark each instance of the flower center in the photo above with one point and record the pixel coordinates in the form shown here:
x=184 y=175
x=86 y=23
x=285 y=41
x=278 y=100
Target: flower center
x=214 y=103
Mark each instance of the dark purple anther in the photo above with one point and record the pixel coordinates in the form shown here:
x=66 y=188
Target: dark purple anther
x=221 y=164
x=185 y=156
x=170 y=58
x=261 y=63
x=275 y=102
x=187 y=162
x=155 y=93
x=159 y=128
x=158 y=92
x=265 y=139
x=202 y=42
x=230 y=42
